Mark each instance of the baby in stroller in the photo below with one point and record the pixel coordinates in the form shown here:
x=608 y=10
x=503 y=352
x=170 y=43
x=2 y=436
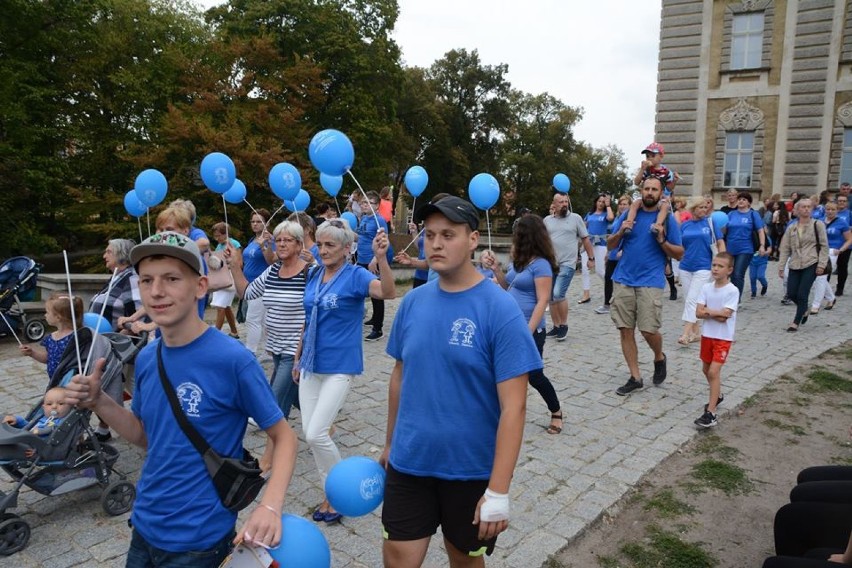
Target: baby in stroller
x=54 y=410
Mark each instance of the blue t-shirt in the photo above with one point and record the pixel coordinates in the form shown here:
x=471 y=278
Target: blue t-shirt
x=597 y=224
x=643 y=261
x=367 y=231
x=819 y=212
x=835 y=232
x=846 y=216
x=522 y=286
x=340 y=315
x=55 y=348
x=455 y=348
x=254 y=262
x=696 y=238
x=315 y=253
x=421 y=273
x=739 y=229
x=219 y=383
x=195 y=233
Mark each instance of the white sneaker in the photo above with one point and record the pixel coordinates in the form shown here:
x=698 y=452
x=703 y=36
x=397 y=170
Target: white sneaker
x=602 y=310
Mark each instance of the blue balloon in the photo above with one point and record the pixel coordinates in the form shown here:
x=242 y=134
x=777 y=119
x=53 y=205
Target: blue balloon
x=151 y=187
x=484 y=191
x=301 y=203
x=302 y=545
x=720 y=219
x=236 y=194
x=355 y=486
x=331 y=152
x=562 y=183
x=218 y=172
x=331 y=184
x=96 y=323
x=132 y=204
x=285 y=181
x=416 y=180
x=350 y=218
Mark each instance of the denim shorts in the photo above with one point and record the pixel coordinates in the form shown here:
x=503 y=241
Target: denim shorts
x=562 y=281
x=142 y=554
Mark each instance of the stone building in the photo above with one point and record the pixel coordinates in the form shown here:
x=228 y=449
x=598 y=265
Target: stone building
x=756 y=94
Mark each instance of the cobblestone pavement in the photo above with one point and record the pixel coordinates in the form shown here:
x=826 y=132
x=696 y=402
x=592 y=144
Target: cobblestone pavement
x=562 y=482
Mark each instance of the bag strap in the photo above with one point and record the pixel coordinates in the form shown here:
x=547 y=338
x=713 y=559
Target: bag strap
x=200 y=443
x=712 y=230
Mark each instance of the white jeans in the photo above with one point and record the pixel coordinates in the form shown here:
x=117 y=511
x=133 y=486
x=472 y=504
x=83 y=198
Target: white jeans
x=692 y=283
x=321 y=397
x=255 y=325
x=600 y=265
x=822 y=289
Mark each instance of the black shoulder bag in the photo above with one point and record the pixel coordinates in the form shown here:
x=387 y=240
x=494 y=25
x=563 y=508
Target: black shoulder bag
x=237 y=481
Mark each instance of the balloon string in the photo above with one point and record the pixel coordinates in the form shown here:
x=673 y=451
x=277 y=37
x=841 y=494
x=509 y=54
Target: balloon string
x=100 y=318
x=139 y=225
x=370 y=205
x=414 y=240
x=148 y=217
x=336 y=204
x=9 y=325
x=411 y=213
x=266 y=225
x=488 y=224
x=73 y=315
x=225 y=207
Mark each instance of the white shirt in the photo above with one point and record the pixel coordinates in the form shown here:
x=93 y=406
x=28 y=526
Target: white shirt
x=715 y=298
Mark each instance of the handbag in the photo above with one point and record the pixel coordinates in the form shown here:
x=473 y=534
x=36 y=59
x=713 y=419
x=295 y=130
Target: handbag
x=237 y=481
x=714 y=248
x=755 y=233
x=218 y=274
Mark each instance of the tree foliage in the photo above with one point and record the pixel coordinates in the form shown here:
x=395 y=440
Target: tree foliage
x=97 y=90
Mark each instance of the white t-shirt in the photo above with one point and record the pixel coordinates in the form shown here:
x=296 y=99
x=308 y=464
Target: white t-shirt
x=728 y=296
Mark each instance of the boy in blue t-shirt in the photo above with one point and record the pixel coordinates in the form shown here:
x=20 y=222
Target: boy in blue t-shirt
x=178 y=515
x=463 y=351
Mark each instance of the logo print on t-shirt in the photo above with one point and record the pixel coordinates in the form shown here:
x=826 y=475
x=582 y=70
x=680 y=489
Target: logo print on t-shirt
x=463 y=331
x=189 y=395
x=329 y=302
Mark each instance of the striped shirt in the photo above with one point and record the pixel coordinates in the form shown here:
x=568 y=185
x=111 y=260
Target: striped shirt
x=285 y=312
x=123 y=299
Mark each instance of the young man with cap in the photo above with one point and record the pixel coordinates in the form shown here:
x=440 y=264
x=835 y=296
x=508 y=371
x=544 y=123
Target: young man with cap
x=178 y=518
x=462 y=351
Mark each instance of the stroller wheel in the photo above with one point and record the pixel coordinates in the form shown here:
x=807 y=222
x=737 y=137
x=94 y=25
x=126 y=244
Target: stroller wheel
x=118 y=497
x=35 y=329
x=14 y=534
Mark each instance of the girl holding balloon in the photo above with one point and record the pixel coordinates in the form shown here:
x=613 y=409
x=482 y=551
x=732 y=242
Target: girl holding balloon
x=258 y=254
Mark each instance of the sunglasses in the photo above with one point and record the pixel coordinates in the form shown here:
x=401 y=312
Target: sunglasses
x=336 y=223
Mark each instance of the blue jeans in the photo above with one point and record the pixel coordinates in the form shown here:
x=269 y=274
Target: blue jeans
x=143 y=555
x=562 y=281
x=285 y=390
x=741 y=262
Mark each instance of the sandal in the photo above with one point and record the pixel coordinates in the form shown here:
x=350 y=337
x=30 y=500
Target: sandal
x=585 y=301
x=683 y=339
x=553 y=429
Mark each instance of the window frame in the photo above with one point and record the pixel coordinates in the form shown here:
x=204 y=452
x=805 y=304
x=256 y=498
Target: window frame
x=737 y=153
x=846 y=156
x=739 y=59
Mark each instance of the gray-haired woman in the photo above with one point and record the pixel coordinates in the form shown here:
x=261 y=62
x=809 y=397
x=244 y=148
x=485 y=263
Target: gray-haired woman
x=123 y=299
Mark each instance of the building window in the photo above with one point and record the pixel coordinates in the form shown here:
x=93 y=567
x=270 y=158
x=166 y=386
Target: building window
x=739 y=156
x=747 y=40
x=846 y=157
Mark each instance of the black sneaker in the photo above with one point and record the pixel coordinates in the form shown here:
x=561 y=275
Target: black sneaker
x=374 y=335
x=628 y=387
x=369 y=323
x=763 y=290
x=562 y=333
x=660 y=371
x=707 y=420
x=719 y=401
x=553 y=332
x=103 y=437
x=786 y=301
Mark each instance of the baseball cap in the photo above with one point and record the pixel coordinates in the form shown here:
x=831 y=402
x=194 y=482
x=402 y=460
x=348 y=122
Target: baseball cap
x=170 y=244
x=654 y=148
x=453 y=208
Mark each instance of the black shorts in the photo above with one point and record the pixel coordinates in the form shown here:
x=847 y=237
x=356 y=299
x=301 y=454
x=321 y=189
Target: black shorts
x=414 y=508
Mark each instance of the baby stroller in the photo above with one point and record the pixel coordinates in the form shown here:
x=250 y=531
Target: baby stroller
x=71 y=457
x=18 y=276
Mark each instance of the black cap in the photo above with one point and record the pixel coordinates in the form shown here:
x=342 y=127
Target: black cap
x=453 y=208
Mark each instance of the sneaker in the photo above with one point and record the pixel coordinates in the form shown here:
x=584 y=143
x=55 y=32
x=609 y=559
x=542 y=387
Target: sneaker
x=673 y=294
x=719 y=401
x=374 y=335
x=628 y=387
x=786 y=301
x=753 y=296
x=660 y=371
x=562 y=333
x=553 y=332
x=763 y=290
x=602 y=309
x=707 y=420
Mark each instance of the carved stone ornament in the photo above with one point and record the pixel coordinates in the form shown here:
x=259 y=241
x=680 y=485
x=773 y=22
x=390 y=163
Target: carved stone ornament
x=750 y=6
x=741 y=117
x=844 y=115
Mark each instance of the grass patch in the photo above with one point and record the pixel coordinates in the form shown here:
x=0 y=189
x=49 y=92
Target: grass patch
x=802 y=400
x=786 y=413
x=821 y=380
x=712 y=445
x=726 y=477
x=666 y=505
x=667 y=549
x=607 y=562
x=750 y=401
x=840 y=460
x=778 y=425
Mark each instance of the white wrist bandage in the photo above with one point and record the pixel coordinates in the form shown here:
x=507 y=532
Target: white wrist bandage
x=495 y=507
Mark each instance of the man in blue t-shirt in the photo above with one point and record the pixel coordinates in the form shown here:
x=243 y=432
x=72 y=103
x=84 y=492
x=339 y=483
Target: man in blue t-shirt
x=178 y=517
x=368 y=227
x=639 y=280
x=456 y=401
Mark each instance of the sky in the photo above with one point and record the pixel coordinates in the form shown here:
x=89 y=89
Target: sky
x=600 y=55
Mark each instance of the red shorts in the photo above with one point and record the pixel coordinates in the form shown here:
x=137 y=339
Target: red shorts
x=714 y=350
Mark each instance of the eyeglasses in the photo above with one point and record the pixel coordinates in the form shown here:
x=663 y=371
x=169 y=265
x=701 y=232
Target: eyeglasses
x=285 y=241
